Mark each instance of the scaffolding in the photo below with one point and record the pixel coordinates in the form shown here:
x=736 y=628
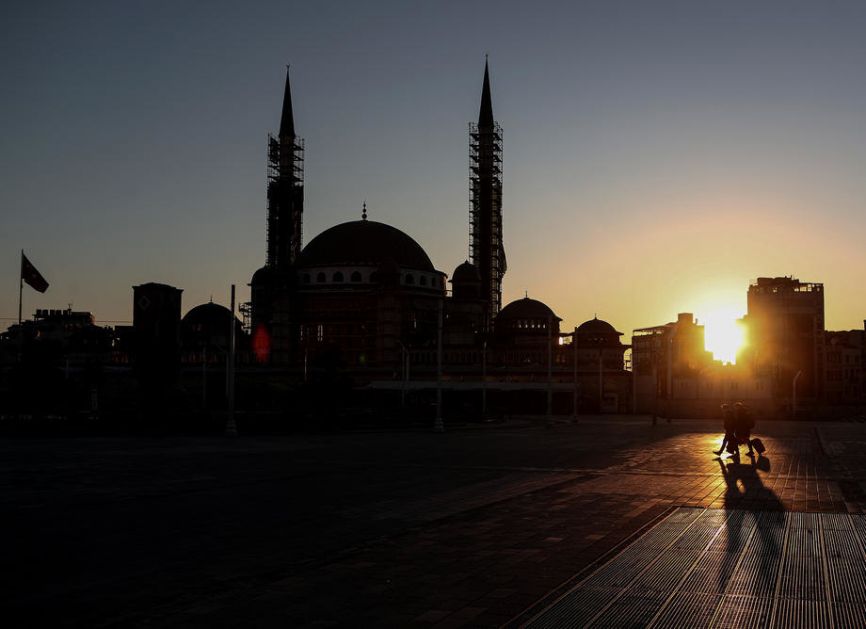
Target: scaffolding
x=486 y=249
x=285 y=199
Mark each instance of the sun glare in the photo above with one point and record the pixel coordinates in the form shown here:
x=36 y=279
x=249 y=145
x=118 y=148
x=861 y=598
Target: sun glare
x=723 y=335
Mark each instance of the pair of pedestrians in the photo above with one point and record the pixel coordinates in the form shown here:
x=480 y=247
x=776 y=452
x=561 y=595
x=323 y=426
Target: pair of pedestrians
x=739 y=423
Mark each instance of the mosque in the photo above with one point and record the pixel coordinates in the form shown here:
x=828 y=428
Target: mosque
x=365 y=296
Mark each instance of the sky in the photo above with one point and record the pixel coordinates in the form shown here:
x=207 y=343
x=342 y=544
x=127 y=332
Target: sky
x=658 y=156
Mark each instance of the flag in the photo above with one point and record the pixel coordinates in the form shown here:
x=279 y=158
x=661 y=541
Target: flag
x=30 y=275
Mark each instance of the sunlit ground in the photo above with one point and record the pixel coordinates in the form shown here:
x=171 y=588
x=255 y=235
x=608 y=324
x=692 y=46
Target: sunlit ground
x=723 y=335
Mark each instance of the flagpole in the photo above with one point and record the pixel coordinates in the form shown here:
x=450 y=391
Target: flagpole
x=20 y=297
x=20 y=289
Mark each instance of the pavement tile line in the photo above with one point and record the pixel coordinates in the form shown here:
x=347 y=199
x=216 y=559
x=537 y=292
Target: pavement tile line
x=574 y=581
x=793 y=569
x=543 y=619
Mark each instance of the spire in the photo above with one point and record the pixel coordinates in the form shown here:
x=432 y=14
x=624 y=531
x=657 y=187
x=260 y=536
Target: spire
x=287 y=121
x=485 y=115
x=364 y=211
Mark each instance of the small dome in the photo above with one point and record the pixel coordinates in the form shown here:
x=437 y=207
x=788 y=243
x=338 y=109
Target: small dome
x=526 y=308
x=208 y=325
x=209 y=314
x=365 y=243
x=466 y=273
x=262 y=276
x=597 y=326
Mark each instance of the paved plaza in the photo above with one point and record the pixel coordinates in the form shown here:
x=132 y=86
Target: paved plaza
x=485 y=525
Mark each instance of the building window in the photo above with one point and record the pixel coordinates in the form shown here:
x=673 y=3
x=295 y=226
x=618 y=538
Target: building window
x=321 y=278
x=338 y=277
x=356 y=276
x=423 y=280
x=320 y=332
x=306 y=278
x=410 y=279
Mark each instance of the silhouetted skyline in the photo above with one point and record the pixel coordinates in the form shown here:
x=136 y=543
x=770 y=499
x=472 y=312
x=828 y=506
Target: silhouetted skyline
x=658 y=158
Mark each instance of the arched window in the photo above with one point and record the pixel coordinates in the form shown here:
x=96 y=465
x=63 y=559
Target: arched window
x=320 y=278
x=423 y=280
x=356 y=276
x=306 y=278
x=338 y=276
x=410 y=279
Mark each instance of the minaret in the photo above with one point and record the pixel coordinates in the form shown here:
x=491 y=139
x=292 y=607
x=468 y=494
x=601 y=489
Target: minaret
x=285 y=189
x=486 y=250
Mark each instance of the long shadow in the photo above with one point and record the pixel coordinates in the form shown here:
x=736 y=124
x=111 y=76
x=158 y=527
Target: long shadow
x=753 y=505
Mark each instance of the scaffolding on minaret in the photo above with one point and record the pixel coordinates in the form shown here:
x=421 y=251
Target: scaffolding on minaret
x=285 y=189
x=486 y=248
x=285 y=199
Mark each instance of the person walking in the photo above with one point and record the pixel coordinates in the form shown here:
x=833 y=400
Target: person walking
x=729 y=440
x=743 y=424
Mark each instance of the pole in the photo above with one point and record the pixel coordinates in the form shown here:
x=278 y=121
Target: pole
x=405 y=377
x=655 y=380
x=574 y=347
x=20 y=301
x=549 y=369
x=670 y=382
x=483 y=378
x=600 y=380
x=794 y=394
x=20 y=289
x=231 y=427
x=439 y=424
x=204 y=375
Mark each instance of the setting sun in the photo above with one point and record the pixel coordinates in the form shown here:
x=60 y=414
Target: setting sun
x=723 y=335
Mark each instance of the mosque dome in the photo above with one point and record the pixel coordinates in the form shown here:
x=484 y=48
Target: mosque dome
x=526 y=308
x=598 y=333
x=597 y=326
x=208 y=323
x=364 y=243
x=466 y=273
x=466 y=282
x=262 y=276
x=525 y=319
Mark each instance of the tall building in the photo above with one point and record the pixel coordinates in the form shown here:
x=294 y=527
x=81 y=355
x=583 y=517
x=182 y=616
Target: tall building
x=785 y=330
x=662 y=352
x=285 y=188
x=271 y=286
x=487 y=251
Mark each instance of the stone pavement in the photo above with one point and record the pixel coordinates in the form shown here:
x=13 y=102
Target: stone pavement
x=726 y=568
x=476 y=527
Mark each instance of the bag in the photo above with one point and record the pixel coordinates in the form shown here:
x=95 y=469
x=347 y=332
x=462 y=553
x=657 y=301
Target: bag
x=758 y=446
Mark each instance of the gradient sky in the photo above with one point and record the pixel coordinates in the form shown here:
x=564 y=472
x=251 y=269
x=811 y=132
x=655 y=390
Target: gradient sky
x=658 y=155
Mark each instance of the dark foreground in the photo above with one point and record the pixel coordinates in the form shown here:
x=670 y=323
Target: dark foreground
x=477 y=527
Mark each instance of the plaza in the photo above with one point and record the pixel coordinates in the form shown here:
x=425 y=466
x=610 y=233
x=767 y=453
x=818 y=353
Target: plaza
x=485 y=525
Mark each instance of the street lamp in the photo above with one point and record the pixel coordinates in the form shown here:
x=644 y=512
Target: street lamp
x=484 y=378
x=574 y=347
x=549 y=368
x=794 y=394
x=439 y=424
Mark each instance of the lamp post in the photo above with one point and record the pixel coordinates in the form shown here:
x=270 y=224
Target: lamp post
x=600 y=379
x=574 y=348
x=231 y=427
x=549 y=369
x=439 y=424
x=404 y=368
x=794 y=394
x=484 y=378
x=670 y=387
